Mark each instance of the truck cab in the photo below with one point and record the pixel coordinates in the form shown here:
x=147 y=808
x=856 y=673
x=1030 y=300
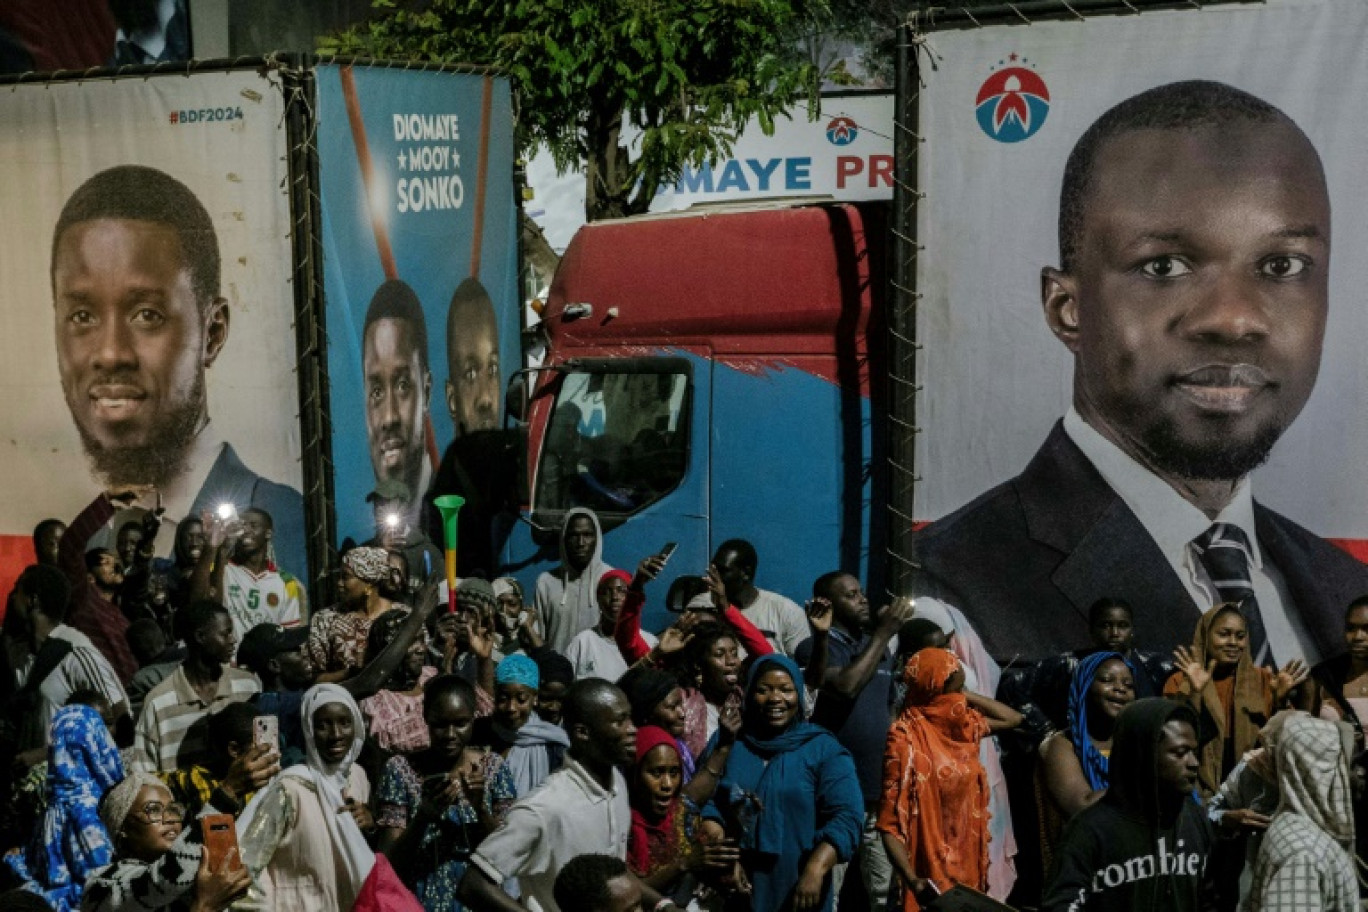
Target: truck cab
x=714 y=374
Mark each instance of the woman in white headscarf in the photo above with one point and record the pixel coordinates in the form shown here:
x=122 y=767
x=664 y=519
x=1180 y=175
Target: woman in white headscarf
x=303 y=836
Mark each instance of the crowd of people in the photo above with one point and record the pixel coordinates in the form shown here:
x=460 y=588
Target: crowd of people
x=184 y=733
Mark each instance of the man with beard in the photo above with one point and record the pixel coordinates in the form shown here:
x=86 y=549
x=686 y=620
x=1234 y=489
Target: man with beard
x=139 y=318
x=472 y=335
x=1194 y=232
x=394 y=367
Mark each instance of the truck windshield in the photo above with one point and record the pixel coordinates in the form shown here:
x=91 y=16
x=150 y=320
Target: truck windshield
x=616 y=441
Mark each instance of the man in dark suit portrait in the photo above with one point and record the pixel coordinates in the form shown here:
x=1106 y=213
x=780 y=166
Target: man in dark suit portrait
x=138 y=320
x=1192 y=290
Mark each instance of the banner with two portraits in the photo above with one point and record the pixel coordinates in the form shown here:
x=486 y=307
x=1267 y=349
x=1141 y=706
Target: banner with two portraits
x=423 y=309
x=1162 y=330
x=148 y=338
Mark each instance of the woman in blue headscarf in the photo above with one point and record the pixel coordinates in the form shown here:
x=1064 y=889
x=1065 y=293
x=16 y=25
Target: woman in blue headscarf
x=1073 y=765
x=70 y=841
x=531 y=747
x=789 y=795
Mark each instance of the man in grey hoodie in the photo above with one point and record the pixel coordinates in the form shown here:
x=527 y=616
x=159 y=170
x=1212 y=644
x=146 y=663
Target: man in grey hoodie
x=565 y=599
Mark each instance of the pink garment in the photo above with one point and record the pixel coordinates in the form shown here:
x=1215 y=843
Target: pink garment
x=395 y=720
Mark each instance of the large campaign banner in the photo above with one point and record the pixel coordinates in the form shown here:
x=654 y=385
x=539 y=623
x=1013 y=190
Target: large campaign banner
x=1194 y=308
x=420 y=275
x=148 y=342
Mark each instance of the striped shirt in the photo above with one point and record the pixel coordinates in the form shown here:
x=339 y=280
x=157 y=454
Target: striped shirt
x=85 y=667
x=173 y=728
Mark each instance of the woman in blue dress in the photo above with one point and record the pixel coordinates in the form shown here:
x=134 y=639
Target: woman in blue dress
x=789 y=795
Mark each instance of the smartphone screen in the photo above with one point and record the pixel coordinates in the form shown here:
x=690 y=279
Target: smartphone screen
x=668 y=550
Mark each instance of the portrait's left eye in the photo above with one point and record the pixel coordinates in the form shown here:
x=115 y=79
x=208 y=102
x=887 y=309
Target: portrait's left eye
x=1284 y=267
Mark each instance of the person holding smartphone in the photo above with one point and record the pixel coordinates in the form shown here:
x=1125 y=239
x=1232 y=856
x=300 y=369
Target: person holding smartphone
x=434 y=806
x=159 y=862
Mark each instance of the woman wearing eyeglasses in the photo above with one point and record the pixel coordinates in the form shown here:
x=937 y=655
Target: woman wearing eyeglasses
x=157 y=865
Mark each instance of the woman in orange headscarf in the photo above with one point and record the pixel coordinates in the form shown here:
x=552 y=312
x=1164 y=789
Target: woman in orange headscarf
x=934 y=814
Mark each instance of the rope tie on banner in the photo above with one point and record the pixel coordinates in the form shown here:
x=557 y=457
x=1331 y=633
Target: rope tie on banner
x=1077 y=14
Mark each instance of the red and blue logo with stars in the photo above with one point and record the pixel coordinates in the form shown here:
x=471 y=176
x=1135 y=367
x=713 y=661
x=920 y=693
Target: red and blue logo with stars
x=1012 y=103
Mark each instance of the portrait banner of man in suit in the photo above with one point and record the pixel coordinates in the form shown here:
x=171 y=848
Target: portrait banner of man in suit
x=148 y=341
x=1143 y=368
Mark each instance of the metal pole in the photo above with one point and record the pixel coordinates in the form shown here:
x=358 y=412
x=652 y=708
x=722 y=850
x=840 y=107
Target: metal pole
x=902 y=321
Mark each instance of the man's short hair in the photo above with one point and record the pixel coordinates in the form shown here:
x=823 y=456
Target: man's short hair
x=143 y=194
x=42 y=529
x=1107 y=603
x=95 y=555
x=265 y=517
x=395 y=300
x=231 y=725
x=145 y=639
x=194 y=617
x=821 y=587
x=469 y=299
x=1360 y=602
x=48 y=589
x=582 y=885
x=1176 y=106
x=87 y=696
x=744 y=550
x=584 y=697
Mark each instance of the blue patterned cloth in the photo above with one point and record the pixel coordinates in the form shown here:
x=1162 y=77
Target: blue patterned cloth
x=70 y=842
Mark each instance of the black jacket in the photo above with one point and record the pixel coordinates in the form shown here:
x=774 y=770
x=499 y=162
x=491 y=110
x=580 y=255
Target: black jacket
x=1025 y=561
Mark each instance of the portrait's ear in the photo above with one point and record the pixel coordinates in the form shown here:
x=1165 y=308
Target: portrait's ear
x=427 y=390
x=215 y=330
x=451 y=402
x=1058 y=296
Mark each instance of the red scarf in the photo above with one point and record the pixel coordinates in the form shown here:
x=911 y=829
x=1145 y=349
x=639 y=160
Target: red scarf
x=653 y=843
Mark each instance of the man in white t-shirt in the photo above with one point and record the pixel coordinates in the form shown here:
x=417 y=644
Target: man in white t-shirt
x=783 y=623
x=581 y=807
x=594 y=652
x=251 y=586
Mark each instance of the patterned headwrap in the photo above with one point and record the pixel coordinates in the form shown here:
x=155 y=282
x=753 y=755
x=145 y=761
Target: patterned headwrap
x=475 y=594
x=119 y=800
x=926 y=673
x=1093 y=763
x=506 y=584
x=370 y=565
x=518 y=669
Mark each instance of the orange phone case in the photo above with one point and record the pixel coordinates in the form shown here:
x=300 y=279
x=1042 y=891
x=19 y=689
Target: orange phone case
x=220 y=838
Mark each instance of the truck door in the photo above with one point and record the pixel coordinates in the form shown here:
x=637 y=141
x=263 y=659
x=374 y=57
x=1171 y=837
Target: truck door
x=628 y=438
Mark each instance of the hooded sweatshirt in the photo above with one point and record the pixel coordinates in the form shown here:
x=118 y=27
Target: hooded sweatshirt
x=566 y=606
x=1128 y=852
x=1305 y=861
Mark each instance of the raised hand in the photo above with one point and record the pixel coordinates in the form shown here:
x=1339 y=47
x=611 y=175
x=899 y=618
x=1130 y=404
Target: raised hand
x=648 y=570
x=728 y=722
x=481 y=637
x=819 y=614
x=672 y=641
x=1292 y=674
x=716 y=589
x=1192 y=668
x=893 y=616
x=216 y=890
